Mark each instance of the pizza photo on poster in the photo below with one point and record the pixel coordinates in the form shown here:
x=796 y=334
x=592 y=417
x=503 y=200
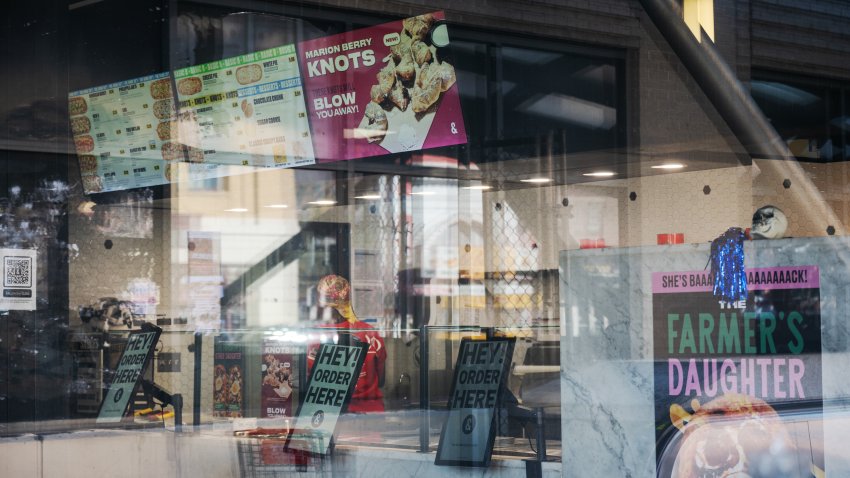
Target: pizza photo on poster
x=389 y=88
x=738 y=386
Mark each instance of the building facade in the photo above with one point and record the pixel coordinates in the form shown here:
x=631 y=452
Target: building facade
x=563 y=238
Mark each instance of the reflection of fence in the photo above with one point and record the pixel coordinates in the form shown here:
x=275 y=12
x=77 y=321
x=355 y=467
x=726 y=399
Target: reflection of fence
x=521 y=289
x=270 y=458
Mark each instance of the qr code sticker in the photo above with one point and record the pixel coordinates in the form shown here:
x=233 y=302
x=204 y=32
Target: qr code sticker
x=17 y=271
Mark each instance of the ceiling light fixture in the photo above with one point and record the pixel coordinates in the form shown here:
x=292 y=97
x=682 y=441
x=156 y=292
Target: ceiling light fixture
x=236 y=209
x=423 y=193
x=323 y=202
x=600 y=174
x=478 y=187
x=669 y=166
x=278 y=206
x=368 y=196
x=536 y=180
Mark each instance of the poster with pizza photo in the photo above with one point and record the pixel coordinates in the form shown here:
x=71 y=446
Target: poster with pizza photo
x=385 y=89
x=228 y=379
x=738 y=386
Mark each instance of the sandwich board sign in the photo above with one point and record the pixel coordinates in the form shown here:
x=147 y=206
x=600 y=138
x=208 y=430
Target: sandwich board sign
x=479 y=378
x=334 y=375
x=131 y=368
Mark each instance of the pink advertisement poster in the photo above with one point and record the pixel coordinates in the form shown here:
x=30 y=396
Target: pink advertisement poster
x=385 y=89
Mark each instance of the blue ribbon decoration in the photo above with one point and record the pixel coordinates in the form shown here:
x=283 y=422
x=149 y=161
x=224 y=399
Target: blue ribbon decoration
x=727 y=265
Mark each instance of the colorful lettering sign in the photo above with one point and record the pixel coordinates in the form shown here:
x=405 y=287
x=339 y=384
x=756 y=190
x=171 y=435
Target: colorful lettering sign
x=385 y=89
x=726 y=372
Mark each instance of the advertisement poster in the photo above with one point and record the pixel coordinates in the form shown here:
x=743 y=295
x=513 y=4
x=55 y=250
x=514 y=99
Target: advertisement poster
x=121 y=131
x=204 y=287
x=19 y=277
x=738 y=386
x=228 y=379
x=469 y=432
x=247 y=110
x=280 y=377
x=384 y=89
x=331 y=384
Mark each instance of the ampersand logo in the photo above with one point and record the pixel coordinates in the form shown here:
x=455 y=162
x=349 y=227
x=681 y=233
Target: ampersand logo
x=468 y=424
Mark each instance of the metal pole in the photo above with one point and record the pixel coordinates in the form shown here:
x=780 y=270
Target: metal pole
x=177 y=403
x=196 y=395
x=424 y=393
x=718 y=81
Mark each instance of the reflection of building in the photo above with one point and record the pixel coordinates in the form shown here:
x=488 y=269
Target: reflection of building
x=589 y=126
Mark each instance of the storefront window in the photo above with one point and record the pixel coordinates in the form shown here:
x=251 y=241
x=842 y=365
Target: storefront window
x=272 y=238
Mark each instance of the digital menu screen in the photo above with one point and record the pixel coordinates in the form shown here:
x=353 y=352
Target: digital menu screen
x=247 y=110
x=119 y=131
x=385 y=89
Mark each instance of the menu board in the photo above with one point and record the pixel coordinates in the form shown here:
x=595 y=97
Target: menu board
x=119 y=130
x=385 y=89
x=247 y=110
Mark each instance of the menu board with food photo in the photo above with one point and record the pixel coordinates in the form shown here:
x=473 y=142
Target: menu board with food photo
x=738 y=386
x=228 y=379
x=247 y=110
x=118 y=132
x=280 y=379
x=384 y=89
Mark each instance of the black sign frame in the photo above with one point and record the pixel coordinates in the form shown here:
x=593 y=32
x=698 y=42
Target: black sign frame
x=364 y=350
x=511 y=341
x=145 y=329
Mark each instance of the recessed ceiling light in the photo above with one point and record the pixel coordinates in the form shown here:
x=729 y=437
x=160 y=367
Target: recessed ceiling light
x=278 y=206
x=423 y=193
x=479 y=187
x=535 y=180
x=368 y=196
x=669 y=166
x=236 y=209
x=600 y=174
x=323 y=202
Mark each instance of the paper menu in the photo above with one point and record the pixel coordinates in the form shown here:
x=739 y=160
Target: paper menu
x=247 y=110
x=119 y=130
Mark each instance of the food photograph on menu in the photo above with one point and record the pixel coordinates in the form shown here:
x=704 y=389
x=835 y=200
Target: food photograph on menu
x=119 y=130
x=385 y=89
x=247 y=110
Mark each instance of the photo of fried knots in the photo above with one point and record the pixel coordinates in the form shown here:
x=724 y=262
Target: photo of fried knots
x=413 y=78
